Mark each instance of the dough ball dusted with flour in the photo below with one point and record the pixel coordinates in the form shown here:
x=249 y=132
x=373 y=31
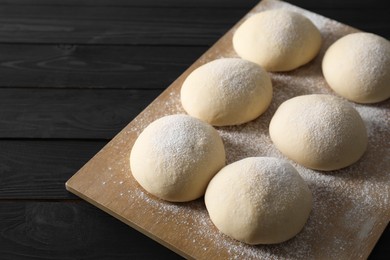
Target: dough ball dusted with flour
x=259 y=200
x=321 y=132
x=176 y=156
x=227 y=91
x=357 y=67
x=277 y=40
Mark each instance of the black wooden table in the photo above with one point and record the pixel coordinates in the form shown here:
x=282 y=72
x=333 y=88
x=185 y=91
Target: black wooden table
x=73 y=74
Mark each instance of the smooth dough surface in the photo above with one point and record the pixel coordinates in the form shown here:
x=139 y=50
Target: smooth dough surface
x=176 y=156
x=259 y=200
x=357 y=67
x=321 y=132
x=227 y=91
x=277 y=40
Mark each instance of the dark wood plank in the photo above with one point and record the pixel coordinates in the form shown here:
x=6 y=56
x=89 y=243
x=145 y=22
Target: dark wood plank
x=69 y=113
x=319 y=4
x=136 y=3
x=115 y=25
x=75 y=66
x=37 y=169
x=70 y=230
x=149 y=25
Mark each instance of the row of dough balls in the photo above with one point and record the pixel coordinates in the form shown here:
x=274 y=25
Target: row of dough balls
x=324 y=132
x=356 y=66
x=233 y=91
x=180 y=158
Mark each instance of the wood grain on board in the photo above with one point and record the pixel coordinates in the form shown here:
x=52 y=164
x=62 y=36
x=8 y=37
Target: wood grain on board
x=106 y=181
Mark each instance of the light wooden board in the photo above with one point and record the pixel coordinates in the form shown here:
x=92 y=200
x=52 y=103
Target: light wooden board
x=351 y=206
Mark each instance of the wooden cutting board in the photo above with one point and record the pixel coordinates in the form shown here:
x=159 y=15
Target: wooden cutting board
x=351 y=206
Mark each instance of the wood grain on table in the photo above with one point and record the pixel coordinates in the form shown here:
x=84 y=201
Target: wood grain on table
x=66 y=70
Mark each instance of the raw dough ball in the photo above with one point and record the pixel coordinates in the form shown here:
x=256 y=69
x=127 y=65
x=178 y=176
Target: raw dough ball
x=259 y=200
x=227 y=91
x=277 y=40
x=320 y=132
x=357 y=67
x=176 y=156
